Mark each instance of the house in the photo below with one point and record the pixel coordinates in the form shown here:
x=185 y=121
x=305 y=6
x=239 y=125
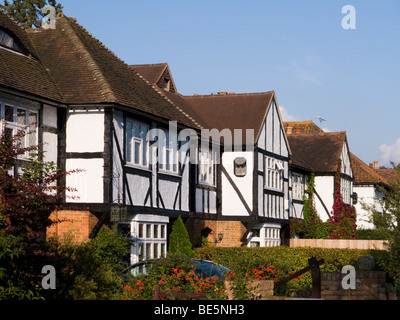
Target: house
x=325 y=154
x=240 y=196
x=367 y=184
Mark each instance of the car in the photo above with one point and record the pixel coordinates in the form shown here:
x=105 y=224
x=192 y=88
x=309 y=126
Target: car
x=202 y=268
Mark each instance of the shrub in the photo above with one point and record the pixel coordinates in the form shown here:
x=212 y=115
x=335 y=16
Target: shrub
x=179 y=241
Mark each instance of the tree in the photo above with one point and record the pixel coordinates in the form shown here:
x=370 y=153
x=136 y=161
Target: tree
x=28 y=195
x=29 y=12
x=179 y=241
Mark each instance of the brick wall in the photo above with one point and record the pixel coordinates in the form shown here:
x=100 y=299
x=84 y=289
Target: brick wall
x=370 y=285
x=76 y=224
x=233 y=232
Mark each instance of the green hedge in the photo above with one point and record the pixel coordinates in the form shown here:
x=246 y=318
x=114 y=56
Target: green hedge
x=288 y=260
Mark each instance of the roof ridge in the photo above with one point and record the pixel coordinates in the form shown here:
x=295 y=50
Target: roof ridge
x=229 y=95
x=106 y=89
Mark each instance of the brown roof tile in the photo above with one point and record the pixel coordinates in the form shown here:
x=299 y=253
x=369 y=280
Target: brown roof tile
x=302 y=127
x=24 y=72
x=363 y=174
x=319 y=153
x=89 y=73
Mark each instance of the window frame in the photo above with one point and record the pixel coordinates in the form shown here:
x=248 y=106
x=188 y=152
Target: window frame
x=14 y=42
x=170 y=147
x=273 y=173
x=298 y=187
x=132 y=140
x=205 y=166
x=14 y=124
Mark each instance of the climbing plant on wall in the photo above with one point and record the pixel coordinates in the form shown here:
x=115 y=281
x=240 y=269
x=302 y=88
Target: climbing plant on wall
x=344 y=217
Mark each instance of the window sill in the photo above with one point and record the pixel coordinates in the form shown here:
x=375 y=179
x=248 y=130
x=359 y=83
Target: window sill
x=137 y=166
x=170 y=173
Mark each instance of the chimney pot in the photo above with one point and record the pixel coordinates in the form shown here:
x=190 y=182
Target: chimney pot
x=376 y=165
x=289 y=130
x=223 y=93
x=371 y=165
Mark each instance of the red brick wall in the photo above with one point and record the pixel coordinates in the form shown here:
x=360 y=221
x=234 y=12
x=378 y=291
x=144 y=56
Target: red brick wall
x=75 y=224
x=233 y=232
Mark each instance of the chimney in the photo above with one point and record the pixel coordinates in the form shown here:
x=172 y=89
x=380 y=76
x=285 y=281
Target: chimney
x=298 y=130
x=289 y=130
x=376 y=165
x=371 y=165
x=223 y=93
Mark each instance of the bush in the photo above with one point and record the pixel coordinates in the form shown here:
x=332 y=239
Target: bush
x=286 y=261
x=179 y=241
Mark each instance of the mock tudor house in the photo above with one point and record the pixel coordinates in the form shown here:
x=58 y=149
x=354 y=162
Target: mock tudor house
x=239 y=197
x=324 y=154
x=366 y=185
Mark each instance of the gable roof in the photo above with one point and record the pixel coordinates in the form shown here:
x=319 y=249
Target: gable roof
x=319 y=153
x=302 y=127
x=155 y=74
x=363 y=174
x=232 y=111
x=89 y=73
x=24 y=72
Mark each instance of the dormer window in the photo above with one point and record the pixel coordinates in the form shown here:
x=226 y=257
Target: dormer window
x=8 y=41
x=167 y=84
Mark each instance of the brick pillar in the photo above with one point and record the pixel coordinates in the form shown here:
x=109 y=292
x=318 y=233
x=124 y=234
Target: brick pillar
x=75 y=224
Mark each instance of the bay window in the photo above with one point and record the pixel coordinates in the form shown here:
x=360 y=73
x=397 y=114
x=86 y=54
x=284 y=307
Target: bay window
x=168 y=156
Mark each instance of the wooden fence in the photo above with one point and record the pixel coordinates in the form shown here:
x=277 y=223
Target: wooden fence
x=339 y=244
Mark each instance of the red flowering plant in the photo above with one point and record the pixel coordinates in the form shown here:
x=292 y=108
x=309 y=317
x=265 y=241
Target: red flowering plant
x=263 y=273
x=344 y=216
x=178 y=278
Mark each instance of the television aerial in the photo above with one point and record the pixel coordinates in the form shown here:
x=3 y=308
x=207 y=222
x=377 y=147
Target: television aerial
x=320 y=119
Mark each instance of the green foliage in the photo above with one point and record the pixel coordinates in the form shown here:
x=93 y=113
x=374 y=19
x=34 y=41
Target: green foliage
x=287 y=260
x=87 y=271
x=311 y=227
x=179 y=241
x=29 y=12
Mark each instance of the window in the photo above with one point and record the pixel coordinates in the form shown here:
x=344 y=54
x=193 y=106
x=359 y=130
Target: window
x=168 y=157
x=16 y=119
x=266 y=235
x=206 y=167
x=273 y=173
x=149 y=238
x=345 y=189
x=8 y=41
x=137 y=145
x=167 y=84
x=298 y=186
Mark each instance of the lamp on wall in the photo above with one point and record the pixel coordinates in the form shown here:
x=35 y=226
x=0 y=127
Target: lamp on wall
x=220 y=237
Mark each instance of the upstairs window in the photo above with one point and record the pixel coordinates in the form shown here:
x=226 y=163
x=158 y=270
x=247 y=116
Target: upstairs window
x=345 y=189
x=273 y=173
x=168 y=157
x=206 y=167
x=8 y=41
x=136 y=143
x=15 y=119
x=298 y=186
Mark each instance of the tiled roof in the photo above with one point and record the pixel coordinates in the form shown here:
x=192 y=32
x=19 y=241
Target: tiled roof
x=89 y=73
x=363 y=174
x=151 y=72
x=232 y=111
x=319 y=153
x=390 y=175
x=302 y=127
x=24 y=72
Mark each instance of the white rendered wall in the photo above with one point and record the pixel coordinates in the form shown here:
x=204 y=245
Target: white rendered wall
x=85 y=131
x=90 y=183
x=369 y=196
x=231 y=203
x=324 y=185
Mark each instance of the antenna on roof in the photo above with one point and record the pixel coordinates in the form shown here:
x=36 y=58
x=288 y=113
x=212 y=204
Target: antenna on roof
x=320 y=119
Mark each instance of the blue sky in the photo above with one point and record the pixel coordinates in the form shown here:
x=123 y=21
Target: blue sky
x=297 y=48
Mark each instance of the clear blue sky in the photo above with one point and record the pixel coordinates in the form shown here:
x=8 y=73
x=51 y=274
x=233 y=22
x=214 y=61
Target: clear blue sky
x=297 y=48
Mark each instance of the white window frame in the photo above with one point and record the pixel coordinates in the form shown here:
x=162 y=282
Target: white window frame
x=169 y=156
x=132 y=140
x=298 y=182
x=273 y=171
x=146 y=244
x=13 y=124
x=345 y=190
x=268 y=235
x=206 y=167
